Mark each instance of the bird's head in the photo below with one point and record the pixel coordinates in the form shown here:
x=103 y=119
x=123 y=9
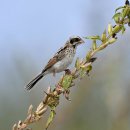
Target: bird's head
x=75 y=41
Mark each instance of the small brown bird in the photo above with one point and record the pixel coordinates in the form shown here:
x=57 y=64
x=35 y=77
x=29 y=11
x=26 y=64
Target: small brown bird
x=61 y=60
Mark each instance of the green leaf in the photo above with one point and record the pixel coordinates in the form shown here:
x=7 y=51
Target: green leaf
x=93 y=37
x=85 y=70
x=88 y=56
x=77 y=64
x=123 y=29
x=121 y=7
x=125 y=11
x=66 y=82
x=94 y=45
x=117 y=29
x=104 y=36
x=109 y=29
x=128 y=14
x=82 y=72
x=51 y=117
x=117 y=17
x=89 y=68
x=112 y=40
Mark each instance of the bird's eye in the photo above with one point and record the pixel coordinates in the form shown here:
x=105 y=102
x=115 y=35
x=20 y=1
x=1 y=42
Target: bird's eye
x=77 y=39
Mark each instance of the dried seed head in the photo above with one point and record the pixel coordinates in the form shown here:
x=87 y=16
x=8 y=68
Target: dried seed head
x=30 y=109
x=42 y=111
x=40 y=107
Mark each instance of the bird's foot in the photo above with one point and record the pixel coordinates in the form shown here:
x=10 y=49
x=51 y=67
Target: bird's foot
x=67 y=71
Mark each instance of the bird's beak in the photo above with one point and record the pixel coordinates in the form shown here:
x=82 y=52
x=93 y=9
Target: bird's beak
x=82 y=41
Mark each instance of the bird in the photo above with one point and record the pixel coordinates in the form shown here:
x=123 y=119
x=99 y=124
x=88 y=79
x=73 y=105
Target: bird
x=60 y=61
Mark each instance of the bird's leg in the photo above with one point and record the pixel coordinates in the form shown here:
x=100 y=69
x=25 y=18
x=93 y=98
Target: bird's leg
x=67 y=71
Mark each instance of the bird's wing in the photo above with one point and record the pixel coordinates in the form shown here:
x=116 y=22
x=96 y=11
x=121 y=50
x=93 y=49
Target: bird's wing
x=57 y=57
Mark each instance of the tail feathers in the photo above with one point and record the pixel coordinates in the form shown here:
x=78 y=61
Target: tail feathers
x=34 y=81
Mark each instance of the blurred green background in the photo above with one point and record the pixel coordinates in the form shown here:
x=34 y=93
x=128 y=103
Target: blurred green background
x=31 y=32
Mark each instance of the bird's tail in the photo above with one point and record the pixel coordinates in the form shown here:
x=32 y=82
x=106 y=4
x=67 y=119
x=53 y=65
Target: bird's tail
x=34 y=81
